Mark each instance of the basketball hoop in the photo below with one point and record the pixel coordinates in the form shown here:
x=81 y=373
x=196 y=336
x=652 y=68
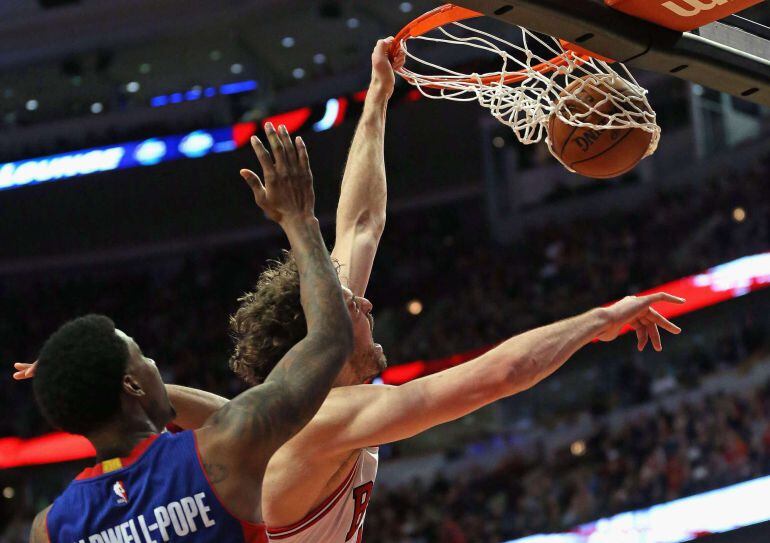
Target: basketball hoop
x=539 y=78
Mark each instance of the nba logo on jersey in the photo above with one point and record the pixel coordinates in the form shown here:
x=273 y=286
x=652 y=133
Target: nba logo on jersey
x=120 y=491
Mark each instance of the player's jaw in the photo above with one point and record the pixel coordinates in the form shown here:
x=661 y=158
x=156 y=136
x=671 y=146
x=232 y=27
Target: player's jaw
x=368 y=359
x=144 y=385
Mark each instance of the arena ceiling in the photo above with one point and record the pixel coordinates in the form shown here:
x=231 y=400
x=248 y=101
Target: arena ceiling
x=122 y=53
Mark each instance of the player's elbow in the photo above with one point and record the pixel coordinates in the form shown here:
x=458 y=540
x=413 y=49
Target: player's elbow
x=373 y=223
x=366 y=223
x=522 y=374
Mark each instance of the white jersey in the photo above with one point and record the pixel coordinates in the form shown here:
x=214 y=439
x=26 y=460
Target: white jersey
x=340 y=517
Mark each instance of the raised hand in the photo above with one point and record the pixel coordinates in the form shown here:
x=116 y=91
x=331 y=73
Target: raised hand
x=383 y=77
x=287 y=191
x=637 y=312
x=24 y=370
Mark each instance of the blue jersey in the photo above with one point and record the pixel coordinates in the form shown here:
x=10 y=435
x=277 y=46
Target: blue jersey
x=159 y=493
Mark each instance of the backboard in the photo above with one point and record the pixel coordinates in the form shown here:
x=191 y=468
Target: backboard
x=731 y=55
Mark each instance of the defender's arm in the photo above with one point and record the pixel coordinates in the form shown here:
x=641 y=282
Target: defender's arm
x=368 y=415
x=361 y=209
x=239 y=439
x=39 y=532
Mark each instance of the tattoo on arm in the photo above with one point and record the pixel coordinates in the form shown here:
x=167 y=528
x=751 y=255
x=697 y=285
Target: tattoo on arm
x=216 y=472
x=265 y=417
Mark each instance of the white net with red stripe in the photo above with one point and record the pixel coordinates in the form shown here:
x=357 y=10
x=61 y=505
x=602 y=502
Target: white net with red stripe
x=527 y=105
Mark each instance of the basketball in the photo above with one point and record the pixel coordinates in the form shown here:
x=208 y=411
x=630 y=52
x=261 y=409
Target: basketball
x=600 y=154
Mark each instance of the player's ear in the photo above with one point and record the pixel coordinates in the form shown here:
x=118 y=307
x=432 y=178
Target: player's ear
x=131 y=386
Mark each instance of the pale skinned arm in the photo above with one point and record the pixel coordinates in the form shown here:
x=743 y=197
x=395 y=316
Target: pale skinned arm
x=366 y=415
x=38 y=533
x=363 y=196
x=193 y=407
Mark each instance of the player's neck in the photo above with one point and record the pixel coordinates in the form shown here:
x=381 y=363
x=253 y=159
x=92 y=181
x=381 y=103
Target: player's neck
x=120 y=438
x=349 y=377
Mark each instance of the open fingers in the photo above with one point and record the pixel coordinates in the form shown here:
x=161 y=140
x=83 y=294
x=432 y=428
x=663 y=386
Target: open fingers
x=24 y=371
x=291 y=152
x=302 y=156
x=654 y=333
x=265 y=160
x=665 y=297
x=642 y=337
x=256 y=186
x=663 y=322
x=279 y=153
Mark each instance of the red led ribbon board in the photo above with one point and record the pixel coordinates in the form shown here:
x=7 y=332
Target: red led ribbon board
x=715 y=285
x=48 y=449
x=681 y=15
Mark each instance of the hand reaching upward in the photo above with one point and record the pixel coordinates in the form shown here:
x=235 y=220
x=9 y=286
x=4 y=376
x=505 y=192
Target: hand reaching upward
x=287 y=191
x=383 y=77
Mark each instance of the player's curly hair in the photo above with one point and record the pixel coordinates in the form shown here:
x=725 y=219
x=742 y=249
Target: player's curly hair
x=79 y=374
x=268 y=322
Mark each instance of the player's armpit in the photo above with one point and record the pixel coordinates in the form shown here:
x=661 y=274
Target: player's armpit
x=367 y=415
x=354 y=251
x=39 y=533
x=193 y=407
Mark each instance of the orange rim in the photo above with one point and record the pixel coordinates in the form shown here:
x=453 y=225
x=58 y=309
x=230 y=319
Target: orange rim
x=449 y=13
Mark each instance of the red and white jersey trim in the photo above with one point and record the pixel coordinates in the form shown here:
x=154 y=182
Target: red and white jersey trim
x=333 y=520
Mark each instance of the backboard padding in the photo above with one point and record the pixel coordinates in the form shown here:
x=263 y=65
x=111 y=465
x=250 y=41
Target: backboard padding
x=640 y=44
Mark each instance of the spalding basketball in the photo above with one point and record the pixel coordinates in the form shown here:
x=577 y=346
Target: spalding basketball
x=594 y=152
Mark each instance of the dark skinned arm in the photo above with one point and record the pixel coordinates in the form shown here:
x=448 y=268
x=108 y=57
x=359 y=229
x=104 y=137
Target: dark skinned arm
x=238 y=440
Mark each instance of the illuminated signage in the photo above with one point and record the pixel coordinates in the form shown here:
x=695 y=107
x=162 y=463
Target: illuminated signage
x=198 y=92
x=194 y=145
x=161 y=149
x=678 y=521
x=17 y=174
x=126 y=155
x=715 y=285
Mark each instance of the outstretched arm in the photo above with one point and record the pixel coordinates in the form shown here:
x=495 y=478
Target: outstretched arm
x=238 y=440
x=365 y=415
x=193 y=407
x=39 y=533
x=361 y=209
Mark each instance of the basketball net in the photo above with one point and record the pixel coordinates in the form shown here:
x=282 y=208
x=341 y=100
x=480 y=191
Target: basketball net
x=529 y=88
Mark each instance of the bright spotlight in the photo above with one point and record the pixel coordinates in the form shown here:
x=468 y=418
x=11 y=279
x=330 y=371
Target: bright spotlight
x=414 y=307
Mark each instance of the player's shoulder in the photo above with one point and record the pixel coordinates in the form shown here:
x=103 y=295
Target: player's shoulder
x=357 y=391
x=39 y=531
x=348 y=401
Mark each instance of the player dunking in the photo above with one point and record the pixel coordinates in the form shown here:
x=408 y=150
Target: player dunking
x=205 y=485
x=318 y=485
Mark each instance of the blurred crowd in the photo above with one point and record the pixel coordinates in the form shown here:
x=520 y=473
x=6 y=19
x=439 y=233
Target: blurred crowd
x=666 y=454
x=567 y=268
x=473 y=292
